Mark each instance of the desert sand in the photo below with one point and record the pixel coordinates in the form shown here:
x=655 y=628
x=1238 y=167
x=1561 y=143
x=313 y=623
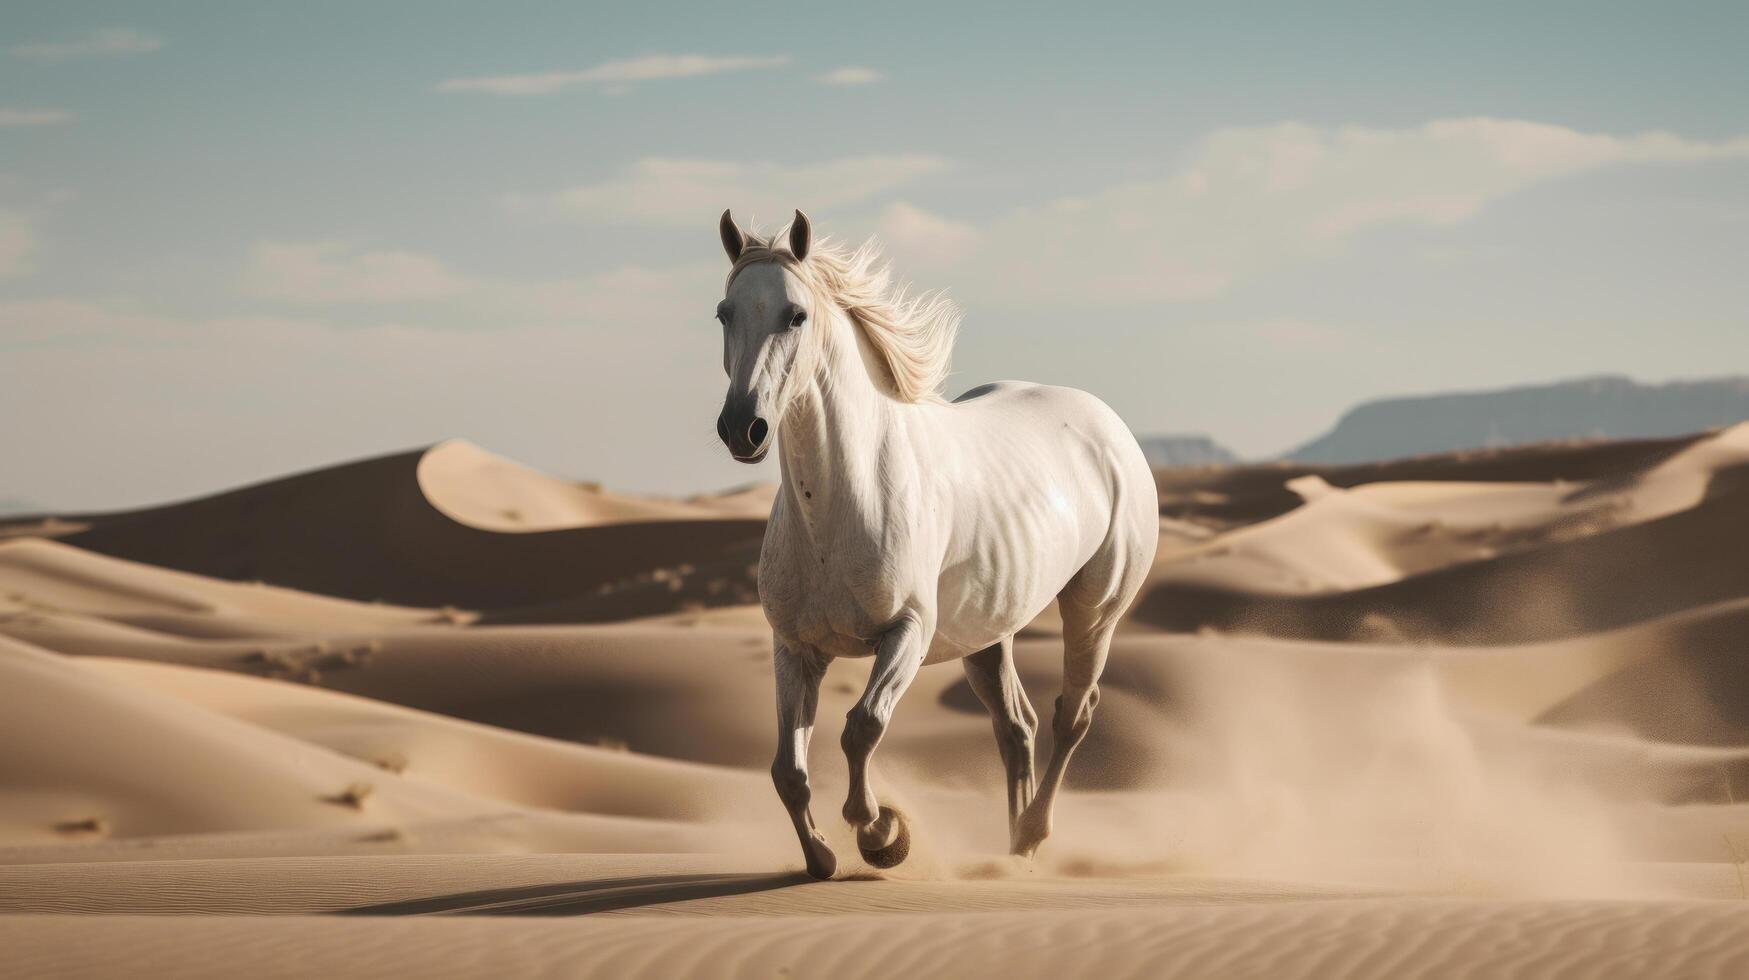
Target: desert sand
x=438 y=714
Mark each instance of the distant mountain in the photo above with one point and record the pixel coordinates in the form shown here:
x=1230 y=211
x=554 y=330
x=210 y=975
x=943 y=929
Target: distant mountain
x=1184 y=450
x=1589 y=408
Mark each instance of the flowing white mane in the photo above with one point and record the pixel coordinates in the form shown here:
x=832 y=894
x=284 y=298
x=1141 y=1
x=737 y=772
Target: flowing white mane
x=913 y=334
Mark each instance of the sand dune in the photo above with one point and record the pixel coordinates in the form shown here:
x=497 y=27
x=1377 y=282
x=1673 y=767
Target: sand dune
x=479 y=760
x=46 y=578
x=387 y=529
x=1471 y=715
x=473 y=487
x=753 y=500
x=110 y=759
x=1246 y=493
x=1476 y=562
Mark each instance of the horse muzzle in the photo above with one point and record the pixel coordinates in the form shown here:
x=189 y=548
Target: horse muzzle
x=747 y=435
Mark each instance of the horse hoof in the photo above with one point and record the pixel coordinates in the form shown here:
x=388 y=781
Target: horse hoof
x=822 y=863
x=822 y=867
x=1027 y=837
x=894 y=853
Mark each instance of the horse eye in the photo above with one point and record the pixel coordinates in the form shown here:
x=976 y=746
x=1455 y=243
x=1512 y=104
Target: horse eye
x=798 y=319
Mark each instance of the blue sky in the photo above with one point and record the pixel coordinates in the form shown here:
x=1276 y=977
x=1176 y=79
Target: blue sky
x=242 y=239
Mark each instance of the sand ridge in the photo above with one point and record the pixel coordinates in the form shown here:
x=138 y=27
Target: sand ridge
x=1470 y=715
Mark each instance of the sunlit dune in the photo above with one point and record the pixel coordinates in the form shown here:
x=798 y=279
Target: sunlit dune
x=1490 y=698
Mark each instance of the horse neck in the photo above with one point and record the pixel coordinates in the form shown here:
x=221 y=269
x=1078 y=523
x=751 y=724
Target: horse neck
x=831 y=439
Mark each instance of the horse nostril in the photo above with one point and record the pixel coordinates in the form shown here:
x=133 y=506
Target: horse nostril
x=757 y=431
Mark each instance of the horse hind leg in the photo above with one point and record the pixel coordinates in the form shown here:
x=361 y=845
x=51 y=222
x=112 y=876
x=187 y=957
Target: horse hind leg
x=991 y=674
x=1086 y=643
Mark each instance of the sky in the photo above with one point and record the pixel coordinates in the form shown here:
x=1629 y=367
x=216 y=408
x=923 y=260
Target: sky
x=239 y=240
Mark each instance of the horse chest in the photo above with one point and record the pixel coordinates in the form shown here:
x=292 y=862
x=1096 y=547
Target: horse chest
x=834 y=596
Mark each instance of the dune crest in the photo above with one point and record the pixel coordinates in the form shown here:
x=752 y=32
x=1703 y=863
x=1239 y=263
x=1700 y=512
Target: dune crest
x=475 y=488
x=1480 y=698
x=369 y=531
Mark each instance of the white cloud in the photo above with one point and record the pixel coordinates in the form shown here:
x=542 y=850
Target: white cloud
x=112 y=41
x=664 y=191
x=331 y=274
x=613 y=74
x=17 y=243
x=34 y=117
x=325 y=272
x=1249 y=199
x=914 y=234
x=850 y=75
x=634 y=297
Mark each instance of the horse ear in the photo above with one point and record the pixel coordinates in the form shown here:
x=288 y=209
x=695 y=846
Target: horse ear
x=733 y=243
x=801 y=236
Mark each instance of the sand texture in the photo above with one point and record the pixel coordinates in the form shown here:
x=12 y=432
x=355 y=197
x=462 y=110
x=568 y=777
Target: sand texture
x=436 y=714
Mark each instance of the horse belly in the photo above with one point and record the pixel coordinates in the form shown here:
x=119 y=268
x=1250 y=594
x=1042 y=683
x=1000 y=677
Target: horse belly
x=1012 y=574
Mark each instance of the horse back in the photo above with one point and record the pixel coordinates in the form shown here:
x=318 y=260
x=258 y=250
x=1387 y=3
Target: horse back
x=1049 y=487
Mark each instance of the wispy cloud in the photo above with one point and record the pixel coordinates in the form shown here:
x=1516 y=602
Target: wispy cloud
x=850 y=75
x=665 y=191
x=317 y=272
x=1254 y=198
x=337 y=275
x=622 y=72
x=112 y=41
x=22 y=214
x=913 y=233
x=34 y=117
x=17 y=242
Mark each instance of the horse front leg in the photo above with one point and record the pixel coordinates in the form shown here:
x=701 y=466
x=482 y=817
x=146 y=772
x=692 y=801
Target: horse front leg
x=798 y=694
x=881 y=834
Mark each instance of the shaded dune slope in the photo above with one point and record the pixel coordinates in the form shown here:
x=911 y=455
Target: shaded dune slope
x=1618 y=577
x=1658 y=530
x=1245 y=493
x=1546 y=711
x=123 y=750
x=699 y=693
x=370 y=531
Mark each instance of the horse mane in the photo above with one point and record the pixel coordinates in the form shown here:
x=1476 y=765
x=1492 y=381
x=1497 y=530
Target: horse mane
x=912 y=333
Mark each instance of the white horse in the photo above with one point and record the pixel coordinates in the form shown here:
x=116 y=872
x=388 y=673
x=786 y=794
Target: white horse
x=914 y=530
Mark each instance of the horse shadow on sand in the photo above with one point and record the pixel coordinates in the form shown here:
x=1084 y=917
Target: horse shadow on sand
x=585 y=897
